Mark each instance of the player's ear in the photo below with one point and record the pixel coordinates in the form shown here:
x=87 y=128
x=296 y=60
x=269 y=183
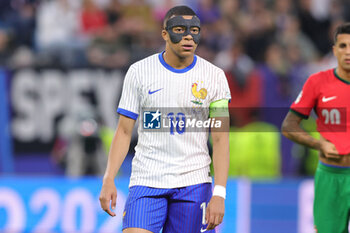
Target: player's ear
x=165 y=35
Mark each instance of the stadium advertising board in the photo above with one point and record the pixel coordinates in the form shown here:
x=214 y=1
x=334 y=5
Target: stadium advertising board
x=43 y=102
x=56 y=205
x=71 y=205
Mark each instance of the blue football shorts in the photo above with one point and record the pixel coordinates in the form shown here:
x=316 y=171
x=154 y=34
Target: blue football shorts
x=177 y=210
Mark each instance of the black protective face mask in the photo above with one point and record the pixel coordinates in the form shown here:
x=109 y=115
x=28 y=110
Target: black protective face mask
x=187 y=23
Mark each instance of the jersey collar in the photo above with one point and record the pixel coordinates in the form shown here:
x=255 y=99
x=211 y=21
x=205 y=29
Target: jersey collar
x=337 y=76
x=172 y=69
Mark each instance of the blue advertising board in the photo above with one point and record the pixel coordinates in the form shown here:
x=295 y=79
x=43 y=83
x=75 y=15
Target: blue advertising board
x=39 y=204
x=60 y=204
x=57 y=205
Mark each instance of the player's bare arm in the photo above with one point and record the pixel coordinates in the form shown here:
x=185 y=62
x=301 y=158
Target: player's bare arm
x=117 y=154
x=221 y=159
x=292 y=130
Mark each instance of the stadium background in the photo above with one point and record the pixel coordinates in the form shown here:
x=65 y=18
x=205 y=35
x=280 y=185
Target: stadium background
x=62 y=67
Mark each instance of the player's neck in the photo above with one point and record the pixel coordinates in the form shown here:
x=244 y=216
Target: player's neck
x=343 y=74
x=177 y=62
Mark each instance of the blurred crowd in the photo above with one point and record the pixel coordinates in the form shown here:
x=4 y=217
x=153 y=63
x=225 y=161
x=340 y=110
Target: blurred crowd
x=236 y=34
x=80 y=33
x=284 y=37
x=267 y=48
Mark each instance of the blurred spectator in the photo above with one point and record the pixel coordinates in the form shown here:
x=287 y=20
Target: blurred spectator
x=17 y=22
x=292 y=36
x=108 y=50
x=208 y=11
x=141 y=29
x=160 y=9
x=232 y=13
x=277 y=95
x=320 y=9
x=86 y=155
x=338 y=10
x=258 y=28
x=345 y=6
x=61 y=38
x=204 y=50
x=298 y=69
x=230 y=10
x=283 y=9
x=79 y=146
x=5 y=8
x=5 y=50
x=224 y=35
x=245 y=86
x=236 y=58
x=276 y=90
x=135 y=26
x=114 y=12
x=212 y=30
x=315 y=28
x=57 y=24
x=138 y=17
x=58 y=39
x=22 y=21
x=93 y=19
x=22 y=57
x=108 y=47
x=246 y=97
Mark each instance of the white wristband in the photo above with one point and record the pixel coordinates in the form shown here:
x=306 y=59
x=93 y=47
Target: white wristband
x=220 y=191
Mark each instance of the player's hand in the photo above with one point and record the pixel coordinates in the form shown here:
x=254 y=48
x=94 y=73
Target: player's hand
x=108 y=195
x=215 y=212
x=328 y=149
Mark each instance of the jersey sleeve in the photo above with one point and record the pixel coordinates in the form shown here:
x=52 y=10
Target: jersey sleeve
x=306 y=99
x=222 y=91
x=129 y=101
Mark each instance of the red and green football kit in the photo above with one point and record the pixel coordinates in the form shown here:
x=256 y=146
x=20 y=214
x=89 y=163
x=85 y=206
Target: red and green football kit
x=329 y=96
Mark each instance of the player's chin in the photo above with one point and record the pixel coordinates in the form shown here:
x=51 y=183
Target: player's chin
x=346 y=66
x=184 y=55
x=187 y=52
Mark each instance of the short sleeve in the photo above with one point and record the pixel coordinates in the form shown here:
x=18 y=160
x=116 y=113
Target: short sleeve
x=306 y=99
x=129 y=102
x=222 y=91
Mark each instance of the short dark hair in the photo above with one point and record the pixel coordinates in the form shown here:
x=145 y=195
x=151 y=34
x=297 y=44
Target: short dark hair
x=341 y=29
x=178 y=10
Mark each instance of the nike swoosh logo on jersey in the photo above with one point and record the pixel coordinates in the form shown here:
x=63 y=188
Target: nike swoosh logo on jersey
x=152 y=92
x=324 y=99
x=203 y=230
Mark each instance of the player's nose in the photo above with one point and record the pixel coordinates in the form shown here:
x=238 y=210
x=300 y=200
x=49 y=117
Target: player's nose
x=188 y=37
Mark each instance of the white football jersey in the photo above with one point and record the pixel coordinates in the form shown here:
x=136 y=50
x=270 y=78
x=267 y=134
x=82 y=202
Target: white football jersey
x=167 y=156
